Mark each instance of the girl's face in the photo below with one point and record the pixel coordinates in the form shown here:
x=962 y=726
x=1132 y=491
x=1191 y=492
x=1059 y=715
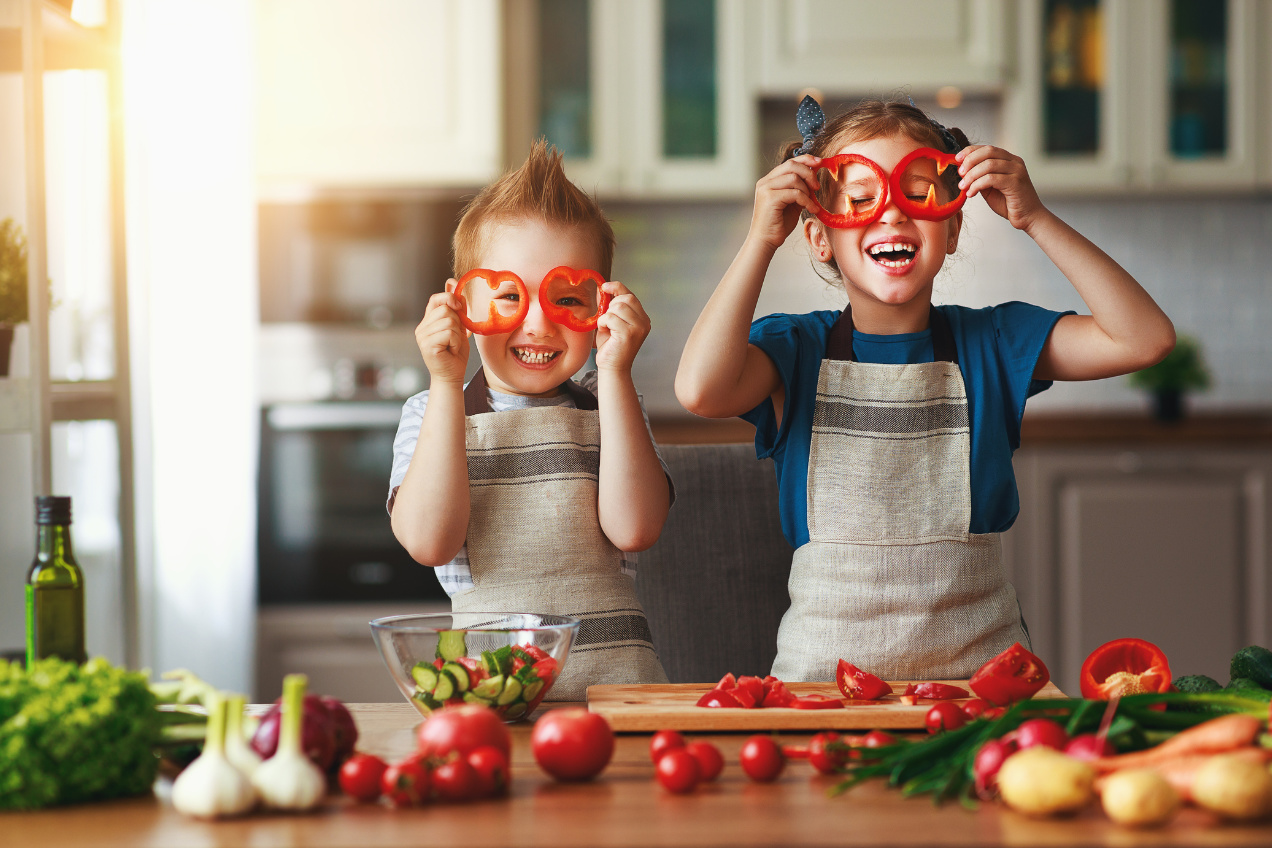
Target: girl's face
x=539 y=355
x=894 y=260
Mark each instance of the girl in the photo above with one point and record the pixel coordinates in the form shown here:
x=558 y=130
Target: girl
x=892 y=423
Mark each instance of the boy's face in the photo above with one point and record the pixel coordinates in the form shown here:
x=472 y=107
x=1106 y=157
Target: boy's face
x=538 y=356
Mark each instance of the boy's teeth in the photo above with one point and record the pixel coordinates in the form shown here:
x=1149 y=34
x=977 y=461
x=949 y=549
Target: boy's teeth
x=531 y=357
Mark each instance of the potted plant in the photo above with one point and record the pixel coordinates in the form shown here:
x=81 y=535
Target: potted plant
x=1182 y=370
x=13 y=286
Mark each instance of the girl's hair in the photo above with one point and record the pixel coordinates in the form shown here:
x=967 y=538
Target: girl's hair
x=539 y=189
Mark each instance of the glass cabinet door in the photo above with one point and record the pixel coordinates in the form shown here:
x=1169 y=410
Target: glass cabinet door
x=1073 y=76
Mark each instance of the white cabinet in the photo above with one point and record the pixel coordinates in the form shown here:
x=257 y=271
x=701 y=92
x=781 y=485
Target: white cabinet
x=645 y=98
x=1140 y=95
x=845 y=47
x=367 y=93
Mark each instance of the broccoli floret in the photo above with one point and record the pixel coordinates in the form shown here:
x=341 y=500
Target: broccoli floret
x=71 y=733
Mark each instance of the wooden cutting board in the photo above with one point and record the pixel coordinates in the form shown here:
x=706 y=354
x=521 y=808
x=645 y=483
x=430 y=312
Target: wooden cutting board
x=673 y=706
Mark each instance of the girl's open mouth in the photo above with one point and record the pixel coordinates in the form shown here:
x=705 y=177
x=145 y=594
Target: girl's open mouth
x=535 y=357
x=893 y=254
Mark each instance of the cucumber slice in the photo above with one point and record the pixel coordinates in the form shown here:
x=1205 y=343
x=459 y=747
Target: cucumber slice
x=425 y=675
x=510 y=693
x=516 y=711
x=503 y=656
x=445 y=687
x=459 y=673
x=518 y=651
x=425 y=701
x=490 y=663
x=472 y=698
x=450 y=644
x=531 y=690
x=489 y=688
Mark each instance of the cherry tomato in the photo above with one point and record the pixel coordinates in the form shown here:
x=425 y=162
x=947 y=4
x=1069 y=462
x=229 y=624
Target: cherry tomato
x=944 y=716
x=828 y=752
x=572 y=744
x=762 y=759
x=456 y=780
x=463 y=728
x=1088 y=746
x=406 y=783
x=989 y=759
x=360 y=776
x=664 y=741
x=492 y=770
x=710 y=761
x=975 y=707
x=1041 y=731
x=678 y=771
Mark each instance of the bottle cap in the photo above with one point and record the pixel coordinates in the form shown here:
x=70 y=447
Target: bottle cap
x=52 y=509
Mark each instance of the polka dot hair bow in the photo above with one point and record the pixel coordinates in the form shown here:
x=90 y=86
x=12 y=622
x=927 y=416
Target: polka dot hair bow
x=809 y=120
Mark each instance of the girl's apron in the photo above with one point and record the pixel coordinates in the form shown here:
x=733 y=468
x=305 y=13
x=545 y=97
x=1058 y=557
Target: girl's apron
x=535 y=542
x=890 y=578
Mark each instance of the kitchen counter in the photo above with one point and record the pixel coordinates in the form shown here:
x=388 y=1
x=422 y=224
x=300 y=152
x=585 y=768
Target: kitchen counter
x=624 y=807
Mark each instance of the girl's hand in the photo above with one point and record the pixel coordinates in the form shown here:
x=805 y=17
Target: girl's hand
x=621 y=330
x=779 y=196
x=442 y=337
x=1001 y=178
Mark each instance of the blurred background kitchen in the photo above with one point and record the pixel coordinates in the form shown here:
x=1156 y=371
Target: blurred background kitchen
x=243 y=205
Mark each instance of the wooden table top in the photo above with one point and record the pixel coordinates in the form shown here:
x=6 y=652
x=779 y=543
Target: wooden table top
x=624 y=807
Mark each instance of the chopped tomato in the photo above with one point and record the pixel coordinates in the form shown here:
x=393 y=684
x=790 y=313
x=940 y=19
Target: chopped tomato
x=936 y=691
x=1013 y=675
x=817 y=702
x=777 y=695
x=753 y=686
x=858 y=684
x=727 y=682
x=718 y=698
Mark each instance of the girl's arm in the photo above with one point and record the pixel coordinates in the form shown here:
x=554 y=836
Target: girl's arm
x=633 y=497
x=430 y=512
x=721 y=375
x=1126 y=330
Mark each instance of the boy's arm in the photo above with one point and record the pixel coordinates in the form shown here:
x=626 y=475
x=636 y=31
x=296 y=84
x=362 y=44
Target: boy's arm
x=633 y=496
x=1126 y=330
x=430 y=512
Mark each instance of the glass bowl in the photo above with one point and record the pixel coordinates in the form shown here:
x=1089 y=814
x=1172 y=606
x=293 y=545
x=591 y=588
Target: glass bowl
x=504 y=660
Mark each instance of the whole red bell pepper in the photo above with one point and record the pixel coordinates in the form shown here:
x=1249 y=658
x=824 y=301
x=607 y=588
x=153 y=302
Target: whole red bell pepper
x=562 y=314
x=859 y=685
x=495 y=323
x=1012 y=676
x=928 y=209
x=854 y=218
x=1124 y=667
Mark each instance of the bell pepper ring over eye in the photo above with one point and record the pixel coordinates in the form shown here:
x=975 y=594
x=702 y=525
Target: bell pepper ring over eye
x=565 y=282
x=1124 y=667
x=928 y=209
x=496 y=322
x=853 y=217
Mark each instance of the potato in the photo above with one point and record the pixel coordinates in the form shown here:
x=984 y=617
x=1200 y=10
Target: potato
x=1235 y=787
x=1139 y=798
x=1041 y=781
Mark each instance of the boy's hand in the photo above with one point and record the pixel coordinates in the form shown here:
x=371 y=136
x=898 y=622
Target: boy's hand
x=442 y=337
x=621 y=330
x=1001 y=178
x=780 y=195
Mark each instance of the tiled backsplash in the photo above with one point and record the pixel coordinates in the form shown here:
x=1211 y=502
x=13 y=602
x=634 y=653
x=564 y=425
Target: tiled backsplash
x=1208 y=262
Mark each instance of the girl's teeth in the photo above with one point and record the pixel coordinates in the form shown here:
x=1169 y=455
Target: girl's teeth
x=534 y=357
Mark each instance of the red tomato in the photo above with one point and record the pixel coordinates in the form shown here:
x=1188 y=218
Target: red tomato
x=816 y=702
x=989 y=759
x=975 y=707
x=878 y=739
x=936 y=691
x=664 y=741
x=710 y=762
x=753 y=686
x=572 y=744
x=762 y=759
x=944 y=716
x=1088 y=746
x=678 y=771
x=360 y=776
x=406 y=783
x=456 y=780
x=492 y=770
x=1041 y=731
x=719 y=698
x=828 y=752
x=463 y=728
x=776 y=693
x=858 y=684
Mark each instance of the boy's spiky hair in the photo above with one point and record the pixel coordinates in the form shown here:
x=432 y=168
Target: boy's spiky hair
x=539 y=189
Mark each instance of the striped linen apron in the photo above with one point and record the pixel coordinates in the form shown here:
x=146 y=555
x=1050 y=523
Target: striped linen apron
x=535 y=542
x=890 y=579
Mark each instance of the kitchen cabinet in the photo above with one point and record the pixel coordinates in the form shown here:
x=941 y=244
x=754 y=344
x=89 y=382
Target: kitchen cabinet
x=1140 y=96
x=853 y=47
x=644 y=98
x=1162 y=542
x=374 y=93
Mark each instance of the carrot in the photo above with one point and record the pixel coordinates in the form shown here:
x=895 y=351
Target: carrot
x=1182 y=770
x=1216 y=736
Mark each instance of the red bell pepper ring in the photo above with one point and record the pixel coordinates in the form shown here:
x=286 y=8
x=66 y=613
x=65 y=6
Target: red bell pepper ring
x=1012 y=676
x=853 y=218
x=1124 y=667
x=817 y=702
x=935 y=691
x=562 y=314
x=928 y=209
x=494 y=323
x=859 y=685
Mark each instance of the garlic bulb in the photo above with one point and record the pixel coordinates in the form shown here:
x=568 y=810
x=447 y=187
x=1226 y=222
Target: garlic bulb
x=236 y=748
x=289 y=780
x=211 y=786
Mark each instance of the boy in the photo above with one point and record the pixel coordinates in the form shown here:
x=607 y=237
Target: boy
x=502 y=484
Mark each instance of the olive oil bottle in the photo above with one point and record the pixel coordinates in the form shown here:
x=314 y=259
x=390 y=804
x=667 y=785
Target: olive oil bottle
x=54 y=587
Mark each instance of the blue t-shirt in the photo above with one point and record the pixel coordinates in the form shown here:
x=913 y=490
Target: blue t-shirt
x=998 y=348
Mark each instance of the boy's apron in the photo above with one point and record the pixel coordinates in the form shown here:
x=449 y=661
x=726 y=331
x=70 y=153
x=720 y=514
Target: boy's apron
x=890 y=578
x=535 y=542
